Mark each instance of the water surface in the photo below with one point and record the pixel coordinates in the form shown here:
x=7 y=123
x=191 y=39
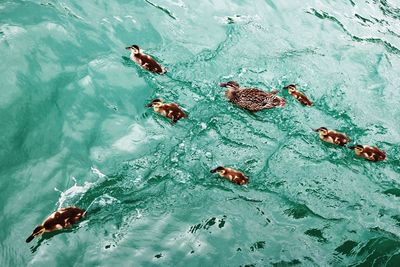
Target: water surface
x=75 y=131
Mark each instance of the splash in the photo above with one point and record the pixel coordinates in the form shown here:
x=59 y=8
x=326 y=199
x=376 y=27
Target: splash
x=72 y=194
x=76 y=192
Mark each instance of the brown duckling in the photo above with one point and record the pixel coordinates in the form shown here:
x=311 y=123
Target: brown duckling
x=171 y=110
x=58 y=220
x=145 y=61
x=232 y=175
x=371 y=153
x=292 y=89
x=332 y=137
x=252 y=99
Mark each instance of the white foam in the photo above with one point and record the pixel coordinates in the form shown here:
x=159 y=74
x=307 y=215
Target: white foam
x=118 y=18
x=97 y=172
x=72 y=194
x=105 y=200
x=76 y=192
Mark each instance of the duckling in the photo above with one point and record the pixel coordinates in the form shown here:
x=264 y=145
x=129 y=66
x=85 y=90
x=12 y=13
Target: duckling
x=332 y=137
x=371 y=153
x=171 y=111
x=145 y=61
x=232 y=175
x=292 y=89
x=252 y=99
x=60 y=219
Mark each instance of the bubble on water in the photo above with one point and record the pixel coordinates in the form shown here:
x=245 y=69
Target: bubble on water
x=138 y=182
x=208 y=155
x=203 y=125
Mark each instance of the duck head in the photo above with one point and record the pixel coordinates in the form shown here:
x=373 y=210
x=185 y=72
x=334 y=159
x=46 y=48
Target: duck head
x=230 y=85
x=357 y=148
x=133 y=48
x=220 y=170
x=322 y=130
x=155 y=103
x=38 y=231
x=278 y=101
x=291 y=88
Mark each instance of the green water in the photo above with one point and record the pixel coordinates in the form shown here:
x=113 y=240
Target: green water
x=75 y=131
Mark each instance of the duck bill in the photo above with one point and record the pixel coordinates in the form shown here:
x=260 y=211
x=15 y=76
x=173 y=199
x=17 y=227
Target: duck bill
x=128 y=47
x=223 y=84
x=351 y=147
x=282 y=102
x=149 y=105
x=213 y=171
x=30 y=238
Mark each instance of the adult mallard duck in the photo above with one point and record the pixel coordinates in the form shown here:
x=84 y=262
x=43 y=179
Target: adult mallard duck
x=145 y=61
x=252 y=99
x=60 y=219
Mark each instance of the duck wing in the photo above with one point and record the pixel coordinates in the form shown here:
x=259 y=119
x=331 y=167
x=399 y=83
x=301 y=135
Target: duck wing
x=148 y=63
x=303 y=99
x=375 y=153
x=175 y=112
x=174 y=107
x=254 y=99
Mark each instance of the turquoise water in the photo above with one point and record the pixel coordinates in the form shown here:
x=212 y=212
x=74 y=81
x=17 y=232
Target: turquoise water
x=75 y=131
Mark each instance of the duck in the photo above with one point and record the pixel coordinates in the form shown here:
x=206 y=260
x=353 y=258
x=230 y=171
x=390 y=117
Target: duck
x=252 y=99
x=58 y=220
x=171 y=110
x=145 y=61
x=370 y=153
x=332 y=137
x=302 y=98
x=232 y=175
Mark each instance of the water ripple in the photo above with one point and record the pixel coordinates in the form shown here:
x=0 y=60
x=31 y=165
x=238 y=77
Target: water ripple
x=324 y=15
